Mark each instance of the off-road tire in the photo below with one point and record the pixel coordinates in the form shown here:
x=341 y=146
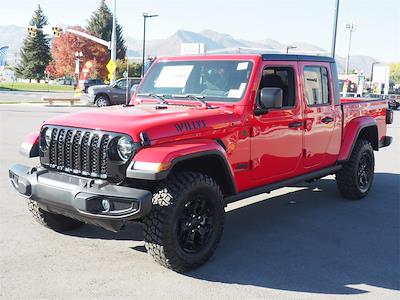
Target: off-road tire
x=102 y=101
x=161 y=225
x=347 y=178
x=53 y=221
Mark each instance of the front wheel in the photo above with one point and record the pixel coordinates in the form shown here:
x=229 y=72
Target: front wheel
x=355 y=179
x=102 y=101
x=186 y=222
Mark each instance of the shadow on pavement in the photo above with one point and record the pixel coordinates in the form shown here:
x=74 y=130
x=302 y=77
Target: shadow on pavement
x=132 y=231
x=321 y=244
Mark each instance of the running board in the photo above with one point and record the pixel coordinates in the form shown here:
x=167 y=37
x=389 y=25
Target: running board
x=277 y=185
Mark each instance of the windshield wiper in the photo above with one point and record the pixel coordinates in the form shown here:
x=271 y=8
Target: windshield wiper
x=199 y=98
x=158 y=96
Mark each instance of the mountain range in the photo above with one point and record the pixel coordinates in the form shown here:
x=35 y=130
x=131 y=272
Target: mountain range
x=215 y=42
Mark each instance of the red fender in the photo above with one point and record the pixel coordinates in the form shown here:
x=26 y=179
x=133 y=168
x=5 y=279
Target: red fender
x=163 y=158
x=168 y=152
x=30 y=145
x=351 y=133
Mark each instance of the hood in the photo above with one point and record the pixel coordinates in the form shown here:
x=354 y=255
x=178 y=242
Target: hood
x=100 y=87
x=156 y=123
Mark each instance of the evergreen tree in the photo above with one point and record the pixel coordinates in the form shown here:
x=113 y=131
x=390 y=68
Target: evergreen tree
x=100 y=25
x=35 y=52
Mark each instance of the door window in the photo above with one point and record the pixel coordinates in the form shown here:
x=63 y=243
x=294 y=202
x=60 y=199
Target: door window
x=121 y=84
x=316 y=86
x=280 y=77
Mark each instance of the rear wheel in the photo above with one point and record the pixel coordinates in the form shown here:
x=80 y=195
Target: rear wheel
x=186 y=222
x=53 y=221
x=355 y=179
x=102 y=101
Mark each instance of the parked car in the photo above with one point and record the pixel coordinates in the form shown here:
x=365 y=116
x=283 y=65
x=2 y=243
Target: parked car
x=394 y=101
x=201 y=132
x=90 y=82
x=105 y=95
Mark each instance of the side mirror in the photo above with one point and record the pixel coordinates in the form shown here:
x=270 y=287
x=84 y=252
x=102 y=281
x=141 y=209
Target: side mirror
x=270 y=97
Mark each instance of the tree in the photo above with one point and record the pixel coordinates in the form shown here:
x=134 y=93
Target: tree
x=35 y=52
x=395 y=72
x=100 y=25
x=63 y=52
x=134 y=69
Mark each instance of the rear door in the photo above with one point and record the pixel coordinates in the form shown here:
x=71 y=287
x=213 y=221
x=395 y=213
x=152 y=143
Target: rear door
x=276 y=137
x=321 y=123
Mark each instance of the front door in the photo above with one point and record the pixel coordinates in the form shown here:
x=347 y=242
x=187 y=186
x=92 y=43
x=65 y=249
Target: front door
x=276 y=143
x=119 y=91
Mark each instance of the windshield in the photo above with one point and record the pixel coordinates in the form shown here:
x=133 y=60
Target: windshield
x=214 y=80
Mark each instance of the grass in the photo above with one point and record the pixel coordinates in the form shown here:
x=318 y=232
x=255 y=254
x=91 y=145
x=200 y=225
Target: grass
x=35 y=87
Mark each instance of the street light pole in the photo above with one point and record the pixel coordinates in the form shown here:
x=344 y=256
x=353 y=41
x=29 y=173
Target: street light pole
x=78 y=56
x=114 y=40
x=145 y=16
x=350 y=27
x=335 y=21
x=290 y=47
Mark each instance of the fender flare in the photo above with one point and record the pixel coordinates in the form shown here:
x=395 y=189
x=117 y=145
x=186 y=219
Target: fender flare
x=30 y=146
x=180 y=152
x=351 y=134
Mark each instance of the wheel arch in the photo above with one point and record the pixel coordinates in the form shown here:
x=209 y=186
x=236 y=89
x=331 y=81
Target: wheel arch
x=212 y=163
x=359 y=128
x=100 y=95
x=205 y=156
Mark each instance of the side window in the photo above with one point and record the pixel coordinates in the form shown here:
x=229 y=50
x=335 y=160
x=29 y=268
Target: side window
x=316 y=85
x=122 y=84
x=280 y=77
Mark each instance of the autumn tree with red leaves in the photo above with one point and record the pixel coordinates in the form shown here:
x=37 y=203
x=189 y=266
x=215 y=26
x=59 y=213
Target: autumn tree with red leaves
x=63 y=51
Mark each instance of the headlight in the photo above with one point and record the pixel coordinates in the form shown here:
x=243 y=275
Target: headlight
x=125 y=148
x=47 y=136
x=45 y=139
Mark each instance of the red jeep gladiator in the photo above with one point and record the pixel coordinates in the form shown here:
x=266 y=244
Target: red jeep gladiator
x=200 y=132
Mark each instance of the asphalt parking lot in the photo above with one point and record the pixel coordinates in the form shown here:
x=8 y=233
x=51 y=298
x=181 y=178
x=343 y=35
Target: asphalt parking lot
x=302 y=242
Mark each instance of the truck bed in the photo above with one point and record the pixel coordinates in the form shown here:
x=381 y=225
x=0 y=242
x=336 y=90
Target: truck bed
x=353 y=108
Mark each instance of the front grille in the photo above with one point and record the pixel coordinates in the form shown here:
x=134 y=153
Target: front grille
x=78 y=151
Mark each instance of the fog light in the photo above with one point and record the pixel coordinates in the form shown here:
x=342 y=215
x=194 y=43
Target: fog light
x=106 y=205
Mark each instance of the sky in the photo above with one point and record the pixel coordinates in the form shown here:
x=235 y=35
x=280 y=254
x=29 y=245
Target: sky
x=377 y=33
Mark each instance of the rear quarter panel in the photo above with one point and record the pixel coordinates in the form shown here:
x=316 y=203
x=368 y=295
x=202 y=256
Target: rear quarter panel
x=358 y=113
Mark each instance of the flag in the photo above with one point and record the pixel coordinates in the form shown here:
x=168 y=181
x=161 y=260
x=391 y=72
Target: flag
x=3 y=51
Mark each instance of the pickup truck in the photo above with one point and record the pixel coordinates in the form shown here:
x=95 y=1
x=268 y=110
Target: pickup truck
x=200 y=132
x=114 y=94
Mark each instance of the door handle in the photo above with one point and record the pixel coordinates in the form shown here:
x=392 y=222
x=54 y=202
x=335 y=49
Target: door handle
x=295 y=124
x=327 y=120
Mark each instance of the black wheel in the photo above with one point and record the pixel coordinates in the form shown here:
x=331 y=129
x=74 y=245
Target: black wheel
x=355 y=179
x=56 y=222
x=102 y=101
x=185 y=225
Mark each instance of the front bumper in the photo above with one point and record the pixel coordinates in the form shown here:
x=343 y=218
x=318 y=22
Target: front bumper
x=81 y=198
x=91 y=98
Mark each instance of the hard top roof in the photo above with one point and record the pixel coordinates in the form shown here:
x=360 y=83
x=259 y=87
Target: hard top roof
x=297 y=57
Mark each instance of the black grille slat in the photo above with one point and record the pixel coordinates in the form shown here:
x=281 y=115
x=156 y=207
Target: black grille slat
x=76 y=152
x=60 y=149
x=68 y=150
x=94 y=155
x=53 y=148
x=80 y=151
x=103 y=154
x=85 y=153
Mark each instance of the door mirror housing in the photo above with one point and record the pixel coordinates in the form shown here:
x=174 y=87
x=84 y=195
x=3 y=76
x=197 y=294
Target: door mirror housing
x=270 y=97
